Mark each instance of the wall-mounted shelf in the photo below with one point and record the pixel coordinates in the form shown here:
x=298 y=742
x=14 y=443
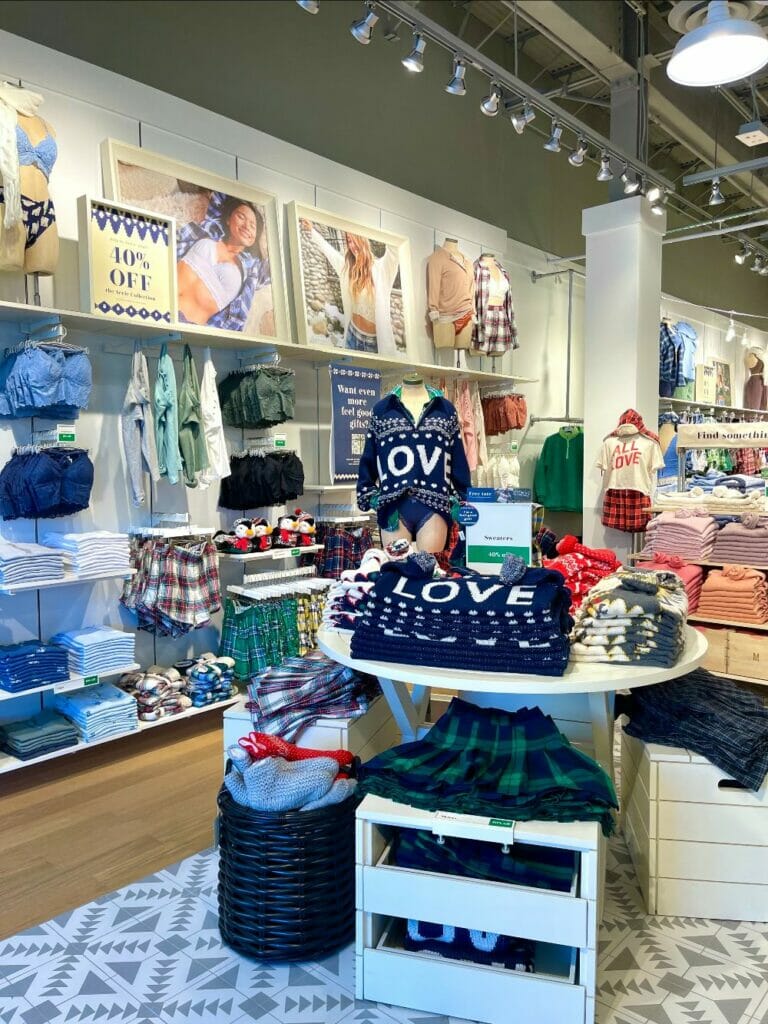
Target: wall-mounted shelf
x=684 y=403
x=26 y=315
x=703 y=620
x=706 y=565
x=73 y=683
x=273 y=553
x=13 y=764
x=337 y=488
x=9 y=589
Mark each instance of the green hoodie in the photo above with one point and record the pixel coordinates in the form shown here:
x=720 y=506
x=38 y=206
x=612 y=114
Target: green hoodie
x=558 y=480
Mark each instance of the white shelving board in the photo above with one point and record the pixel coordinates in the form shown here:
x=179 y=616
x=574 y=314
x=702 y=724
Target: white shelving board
x=13 y=764
x=73 y=683
x=9 y=589
x=273 y=553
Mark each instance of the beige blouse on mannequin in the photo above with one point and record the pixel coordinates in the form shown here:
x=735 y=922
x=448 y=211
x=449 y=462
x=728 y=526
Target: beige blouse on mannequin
x=29 y=239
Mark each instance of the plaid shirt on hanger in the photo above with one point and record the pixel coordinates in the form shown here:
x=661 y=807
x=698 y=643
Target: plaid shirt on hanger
x=492 y=338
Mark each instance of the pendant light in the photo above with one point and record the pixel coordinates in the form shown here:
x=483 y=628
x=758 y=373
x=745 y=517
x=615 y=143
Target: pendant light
x=724 y=49
x=415 y=59
x=605 y=173
x=716 y=197
x=456 y=86
x=490 y=105
x=553 y=142
x=362 y=30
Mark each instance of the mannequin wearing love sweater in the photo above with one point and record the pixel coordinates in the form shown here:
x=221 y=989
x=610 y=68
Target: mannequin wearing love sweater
x=413 y=468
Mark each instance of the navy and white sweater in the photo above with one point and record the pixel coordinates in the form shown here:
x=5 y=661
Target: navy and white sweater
x=424 y=459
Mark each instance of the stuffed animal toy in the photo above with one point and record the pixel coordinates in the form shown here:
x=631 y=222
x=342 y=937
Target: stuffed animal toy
x=262 y=535
x=307 y=528
x=287 y=527
x=244 y=533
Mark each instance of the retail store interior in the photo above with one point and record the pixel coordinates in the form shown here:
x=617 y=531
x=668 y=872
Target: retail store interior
x=384 y=511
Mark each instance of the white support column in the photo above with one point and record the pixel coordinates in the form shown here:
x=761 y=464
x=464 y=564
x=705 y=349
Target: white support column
x=621 y=332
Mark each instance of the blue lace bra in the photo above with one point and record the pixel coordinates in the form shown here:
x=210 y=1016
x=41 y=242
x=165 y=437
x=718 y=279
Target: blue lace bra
x=43 y=155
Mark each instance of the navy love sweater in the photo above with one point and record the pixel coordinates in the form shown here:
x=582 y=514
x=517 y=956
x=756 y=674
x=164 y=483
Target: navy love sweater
x=424 y=459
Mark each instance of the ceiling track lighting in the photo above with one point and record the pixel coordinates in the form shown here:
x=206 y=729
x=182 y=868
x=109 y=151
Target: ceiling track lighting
x=742 y=256
x=522 y=118
x=631 y=185
x=730 y=334
x=456 y=86
x=415 y=59
x=362 y=30
x=745 y=338
x=724 y=49
x=310 y=6
x=490 y=105
x=716 y=197
x=757 y=266
x=576 y=158
x=764 y=269
x=605 y=173
x=659 y=200
x=552 y=145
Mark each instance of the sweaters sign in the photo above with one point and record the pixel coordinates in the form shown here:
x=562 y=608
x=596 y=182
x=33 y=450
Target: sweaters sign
x=496 y=527
x=354 y=392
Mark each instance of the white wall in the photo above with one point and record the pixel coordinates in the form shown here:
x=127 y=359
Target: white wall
x=85 y=105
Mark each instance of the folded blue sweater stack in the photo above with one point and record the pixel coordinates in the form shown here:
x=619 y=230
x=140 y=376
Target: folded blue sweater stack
x=516 y=622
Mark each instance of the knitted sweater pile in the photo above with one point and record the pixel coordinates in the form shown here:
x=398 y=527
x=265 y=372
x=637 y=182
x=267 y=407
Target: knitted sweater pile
x=582 y=567
x=745 y=542
x=691 y=575
x=735 y=593
x=689 y=533
x=466 y=620
x=634 y=618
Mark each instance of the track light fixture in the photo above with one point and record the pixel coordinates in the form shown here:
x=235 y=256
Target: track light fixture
x=310 y=6
x=521 y=118
x=764 y=269
x=605 y=173
x=659 y=202
x=631 y=185
x=716 y=197
x=415 y=59
x=576 y=158
x=362 y=30
x=456 y=86
x=742 y=256
x=745 y=338
x=553 y=142
x=490 y=105
x=758 y=264
x=730 y=334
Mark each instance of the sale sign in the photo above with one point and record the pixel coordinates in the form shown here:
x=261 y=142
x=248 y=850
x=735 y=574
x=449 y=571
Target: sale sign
x=127 y=262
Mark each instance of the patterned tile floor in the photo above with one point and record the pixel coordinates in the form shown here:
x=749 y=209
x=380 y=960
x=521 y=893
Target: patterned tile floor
x=151 y=952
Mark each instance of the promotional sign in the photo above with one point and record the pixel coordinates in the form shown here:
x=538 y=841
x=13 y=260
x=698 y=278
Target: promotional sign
x=496 y=526
x=127 y=262
x=716 y=435
x=354 y=392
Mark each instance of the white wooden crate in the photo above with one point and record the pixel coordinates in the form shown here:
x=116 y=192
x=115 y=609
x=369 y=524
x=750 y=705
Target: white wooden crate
x=563 y=925
x=699 y=842
x=365 y=736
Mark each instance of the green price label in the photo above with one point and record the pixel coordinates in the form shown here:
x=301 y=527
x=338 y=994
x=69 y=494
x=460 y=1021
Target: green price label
x=295 y=552
x=501 y=823
x=65 y=436
x=90 y=681
x=279 y=442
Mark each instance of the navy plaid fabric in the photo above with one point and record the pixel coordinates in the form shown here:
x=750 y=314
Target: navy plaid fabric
x=491 y=762
x=668 y=361
x=344 y=549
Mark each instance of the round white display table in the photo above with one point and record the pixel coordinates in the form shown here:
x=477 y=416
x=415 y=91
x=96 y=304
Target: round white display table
x=594 y=686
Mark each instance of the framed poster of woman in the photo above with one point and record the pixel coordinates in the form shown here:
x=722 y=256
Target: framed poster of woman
x=228 y=264
x=350 y=283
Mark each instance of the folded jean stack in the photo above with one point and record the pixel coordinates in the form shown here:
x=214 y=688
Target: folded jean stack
x=516 y=622
x=632 y=617
x=92 y=553
x=27 y=665
x=688 y=533
x=46 y=483
x=41 y=734
x=691 y=575
x=94 y=650
x=286 y=700
x=494 y=763
x=208 y=680
x=581 y=566
x=99 y=711
x=735 y=593
x=21 y=563
x=744 y=543
x=159 y=692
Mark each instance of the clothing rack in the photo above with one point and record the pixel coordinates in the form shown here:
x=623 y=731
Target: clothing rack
x=499 y=391
x=172 y=532
x=555 y=419
x=275 y=591
x=306 y=572
x=38 y=446
x=257 y=362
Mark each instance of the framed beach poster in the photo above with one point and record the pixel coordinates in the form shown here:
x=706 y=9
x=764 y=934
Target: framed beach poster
x=722 y=382
x=228 y=268
x=350 y=283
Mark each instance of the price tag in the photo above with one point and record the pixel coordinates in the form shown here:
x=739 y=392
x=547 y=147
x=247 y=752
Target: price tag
x=501 y=823
x=65 y=433
x=279 y=440
x=91 y=681
x=295 y=552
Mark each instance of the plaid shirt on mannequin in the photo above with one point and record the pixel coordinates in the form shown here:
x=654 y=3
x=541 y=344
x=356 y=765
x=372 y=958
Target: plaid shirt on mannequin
x=494 y=332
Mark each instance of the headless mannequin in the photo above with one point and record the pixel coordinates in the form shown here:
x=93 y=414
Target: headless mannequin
x=433 y=535
x=499 y=286
x=444 y=334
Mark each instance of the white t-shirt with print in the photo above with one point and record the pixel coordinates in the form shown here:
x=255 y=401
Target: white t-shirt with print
x=629 y=462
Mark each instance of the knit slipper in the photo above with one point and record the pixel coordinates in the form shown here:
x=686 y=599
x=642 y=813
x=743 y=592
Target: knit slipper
x=278 y=785
x=338 y=792
x=253 y=746
x=275 y=746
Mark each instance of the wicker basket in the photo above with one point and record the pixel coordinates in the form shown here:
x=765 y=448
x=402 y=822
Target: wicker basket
x=287 y=880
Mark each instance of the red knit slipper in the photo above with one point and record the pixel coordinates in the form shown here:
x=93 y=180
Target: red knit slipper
x=277 y=747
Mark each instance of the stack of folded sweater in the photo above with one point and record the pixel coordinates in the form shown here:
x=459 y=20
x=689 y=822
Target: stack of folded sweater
x=515 y=622
x=691 y=575
x=348 y=594
x=714 y=477
x=209 y=680
x=29 y=664
x=744 y=543
x=99 y=711
x=721 y=499
x=688 y=533
x=96 y=650
x=581 y=566
x=632 y=617
x=33 y=737
x=735 y=593
x=93 y=553
x=22 y=563
x=159 y=692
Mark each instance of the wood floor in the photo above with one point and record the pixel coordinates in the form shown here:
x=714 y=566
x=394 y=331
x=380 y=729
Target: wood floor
x=75 y=828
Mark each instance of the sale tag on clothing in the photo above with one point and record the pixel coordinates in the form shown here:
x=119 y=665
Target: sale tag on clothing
x=500 y=528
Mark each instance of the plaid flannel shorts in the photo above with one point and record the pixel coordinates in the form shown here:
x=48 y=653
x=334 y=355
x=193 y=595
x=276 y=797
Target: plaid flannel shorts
x=626 y=510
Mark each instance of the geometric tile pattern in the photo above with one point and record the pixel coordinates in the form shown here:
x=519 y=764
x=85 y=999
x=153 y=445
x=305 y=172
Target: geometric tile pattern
x=151 y=953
